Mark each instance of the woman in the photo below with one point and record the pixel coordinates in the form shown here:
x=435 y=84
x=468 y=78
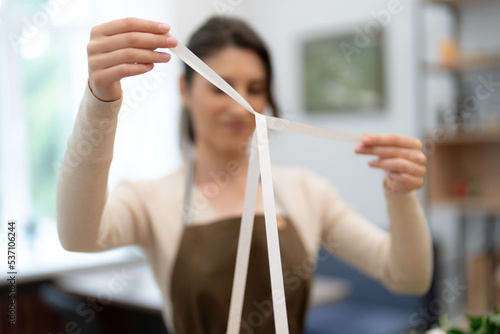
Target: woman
x=187 y=222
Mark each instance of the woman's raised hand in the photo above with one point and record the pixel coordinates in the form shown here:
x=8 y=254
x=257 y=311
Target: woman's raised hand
x=400 y=156
x=123 y=48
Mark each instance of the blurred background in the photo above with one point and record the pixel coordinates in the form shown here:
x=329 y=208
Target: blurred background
x=428 y=69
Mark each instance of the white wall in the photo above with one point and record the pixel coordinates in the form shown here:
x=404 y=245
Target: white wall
x=481 y=26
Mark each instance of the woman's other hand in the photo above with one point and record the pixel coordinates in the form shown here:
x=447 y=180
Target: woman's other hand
x=123 y=48
x=400 y=156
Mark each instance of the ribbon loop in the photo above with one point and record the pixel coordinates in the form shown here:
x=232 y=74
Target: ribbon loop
x=260 y=163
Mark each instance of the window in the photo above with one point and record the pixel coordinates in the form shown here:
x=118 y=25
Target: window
x=44 y=73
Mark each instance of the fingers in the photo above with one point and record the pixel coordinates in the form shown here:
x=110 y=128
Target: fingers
x=138 y=40
x=123 y=48
x=130 y=24
x=384 y=152
x=399 y=165
x=400 y=156
x=127 y=56
x=115 y=73
x=391 y=140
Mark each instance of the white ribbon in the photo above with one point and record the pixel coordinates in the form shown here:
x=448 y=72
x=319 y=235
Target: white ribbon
x=258 y=164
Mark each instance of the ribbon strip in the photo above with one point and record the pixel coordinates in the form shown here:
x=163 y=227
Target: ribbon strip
x=263 y=161
x=244 y=242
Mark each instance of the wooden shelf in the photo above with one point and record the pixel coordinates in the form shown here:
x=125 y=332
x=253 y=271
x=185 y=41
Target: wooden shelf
x=470 y=63
x=464 y=169
x=471 y=205
x=488 y=133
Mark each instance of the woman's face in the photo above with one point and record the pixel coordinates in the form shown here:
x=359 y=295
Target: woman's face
x=218 y=120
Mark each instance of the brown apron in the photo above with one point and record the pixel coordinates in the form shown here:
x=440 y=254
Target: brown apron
x=202 y=277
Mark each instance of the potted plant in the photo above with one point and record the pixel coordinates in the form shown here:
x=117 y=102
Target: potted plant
x=485 y=324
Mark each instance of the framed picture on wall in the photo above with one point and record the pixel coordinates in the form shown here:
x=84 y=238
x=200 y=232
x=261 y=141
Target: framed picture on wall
x=343 y=72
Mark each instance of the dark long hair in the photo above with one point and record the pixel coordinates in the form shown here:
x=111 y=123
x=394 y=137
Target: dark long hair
x=214 y=35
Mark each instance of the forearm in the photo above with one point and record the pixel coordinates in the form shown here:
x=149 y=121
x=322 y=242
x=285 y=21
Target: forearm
x=409 y=256
x=83 y=177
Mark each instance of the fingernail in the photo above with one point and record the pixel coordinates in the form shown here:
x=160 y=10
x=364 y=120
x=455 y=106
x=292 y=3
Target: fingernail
x=165 y=56
x=164 y=27
x=171 y=40
x=358 y=148
x=367 y=138
x=372 y=162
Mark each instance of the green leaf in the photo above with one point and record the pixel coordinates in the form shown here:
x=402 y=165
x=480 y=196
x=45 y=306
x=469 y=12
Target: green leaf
x=454 y=331
x=483 y=329
x=475 y=322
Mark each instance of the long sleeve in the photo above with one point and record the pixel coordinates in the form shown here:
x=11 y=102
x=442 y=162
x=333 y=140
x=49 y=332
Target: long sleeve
x=87 y=219
x=401 y=258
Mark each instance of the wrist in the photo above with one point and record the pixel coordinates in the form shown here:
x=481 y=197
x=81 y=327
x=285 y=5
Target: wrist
x=388 y=189
x=92 y=91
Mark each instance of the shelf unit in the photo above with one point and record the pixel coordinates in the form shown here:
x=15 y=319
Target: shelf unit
x=469 y=63
x=464 y=167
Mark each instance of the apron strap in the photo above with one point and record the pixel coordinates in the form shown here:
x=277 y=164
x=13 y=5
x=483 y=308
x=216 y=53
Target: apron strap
x=188 y=191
